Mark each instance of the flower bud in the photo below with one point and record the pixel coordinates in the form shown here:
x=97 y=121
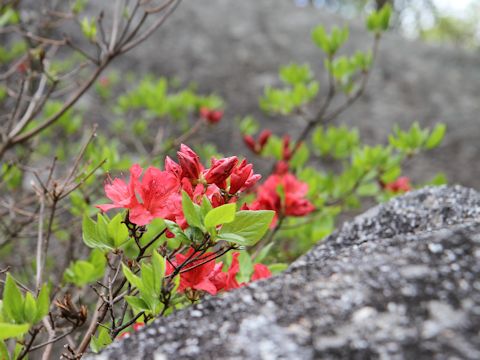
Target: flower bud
x=250 y=142
x=189 y=162
x=263 y=138
x=220 y=171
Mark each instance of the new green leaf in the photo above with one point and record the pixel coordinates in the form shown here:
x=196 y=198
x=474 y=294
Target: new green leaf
x=251 y=225
x=220 y=215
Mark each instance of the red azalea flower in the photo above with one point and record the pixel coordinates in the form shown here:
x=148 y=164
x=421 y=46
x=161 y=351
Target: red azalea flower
x=138 y=325
x=242 y=177
x=124 y=335
x=173 y=168
x=122 y=194
x=199 y=277
x=154 y=191
x=231 y=275
x=260 y=271
x=285 y=194
x=401 y=185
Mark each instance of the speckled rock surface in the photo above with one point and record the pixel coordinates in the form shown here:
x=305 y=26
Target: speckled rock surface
x=400 y=281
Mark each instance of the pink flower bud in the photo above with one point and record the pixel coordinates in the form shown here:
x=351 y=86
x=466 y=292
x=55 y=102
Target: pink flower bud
x=263 y=138
x=251 y=143
x=242 y=177
x=215 y=116
x=172 y=167
x=286 y=152
x=220 y=170
x=189 y=162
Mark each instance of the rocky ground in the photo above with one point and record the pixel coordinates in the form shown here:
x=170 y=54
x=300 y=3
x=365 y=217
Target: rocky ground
x=398 y=282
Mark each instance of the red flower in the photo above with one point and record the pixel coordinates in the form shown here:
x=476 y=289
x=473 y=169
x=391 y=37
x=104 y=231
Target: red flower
x=230 y=277
x=200 y=276
x=189 y=162
x=220 y=171
x=173 y=168
x=285 y=194
x=122 y=194
x=138 y=325
x=260 y=271
x=154 y=191
x=124 y=335
x=281 y=167
x=401 y=185
x=242 y=177
x=211 y=116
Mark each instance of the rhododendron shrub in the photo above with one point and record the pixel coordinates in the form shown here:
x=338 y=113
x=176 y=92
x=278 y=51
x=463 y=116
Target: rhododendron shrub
x=161 y=236
x=198 y=207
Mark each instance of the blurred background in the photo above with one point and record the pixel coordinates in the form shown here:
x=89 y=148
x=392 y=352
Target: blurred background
x=452 y=21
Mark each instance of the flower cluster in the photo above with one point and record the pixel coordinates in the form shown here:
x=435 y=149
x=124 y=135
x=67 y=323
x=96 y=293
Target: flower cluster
x=201 y=274
x=210 y=116
x=285 y=194
x=158 y=193
x=401 y=185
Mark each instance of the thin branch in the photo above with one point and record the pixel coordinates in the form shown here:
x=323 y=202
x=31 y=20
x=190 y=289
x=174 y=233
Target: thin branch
x=152 y=28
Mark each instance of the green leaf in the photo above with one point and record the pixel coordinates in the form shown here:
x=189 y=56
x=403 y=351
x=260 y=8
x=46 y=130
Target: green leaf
x=118 y=231
x=220 y=215
x=251 y=225
x=436 y=136
x=102 y=232
x=191 y=211
x=101 y=341
x=246 y=267
x=4 y=355
x=43 y=303
x=148 y=280
x=158 y=264
x=277 y=268
x=263 y=253
x=29 y=308
x=12 y=301
x=89 y=233
x=206 y=206
x=385 y=14
x=234 y=238
x=8 y=331
x=176 y=230
x=89 y=29
x=136 y=303
x=133 y=279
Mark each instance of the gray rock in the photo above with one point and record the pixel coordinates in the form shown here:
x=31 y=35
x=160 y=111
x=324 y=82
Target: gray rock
x=398 y=282
x=235 y=47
